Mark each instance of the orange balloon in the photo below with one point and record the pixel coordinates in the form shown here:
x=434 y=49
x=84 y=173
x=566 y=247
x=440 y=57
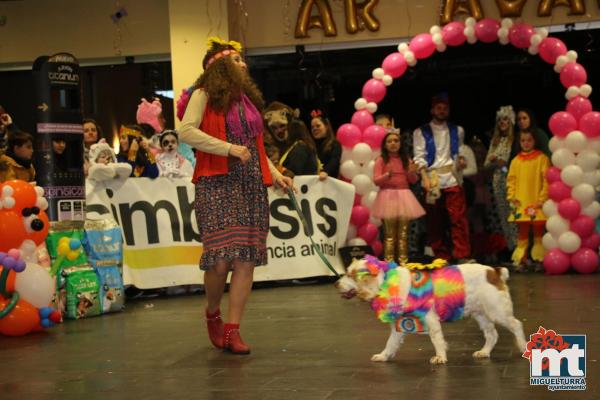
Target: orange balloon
x=22 y=319
x=39 y=237
x=12 y=230
x=25 y=194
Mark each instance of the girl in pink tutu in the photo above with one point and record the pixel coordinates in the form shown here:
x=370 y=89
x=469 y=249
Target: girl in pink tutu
x=395 y=203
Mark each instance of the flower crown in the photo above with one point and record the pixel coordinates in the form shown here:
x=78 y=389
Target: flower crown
x=214 y=41
x=506 y=112
x=129 y=132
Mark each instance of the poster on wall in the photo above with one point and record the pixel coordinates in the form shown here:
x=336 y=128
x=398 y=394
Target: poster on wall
x=160 y=232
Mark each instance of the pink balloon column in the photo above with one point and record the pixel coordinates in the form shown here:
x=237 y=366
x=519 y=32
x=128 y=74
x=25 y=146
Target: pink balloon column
x=578 y=245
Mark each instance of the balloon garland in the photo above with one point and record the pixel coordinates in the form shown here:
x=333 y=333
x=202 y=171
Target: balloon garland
x=572 y=208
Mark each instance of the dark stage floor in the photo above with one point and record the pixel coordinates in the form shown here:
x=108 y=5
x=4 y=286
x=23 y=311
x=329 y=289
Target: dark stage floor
x=307 y=343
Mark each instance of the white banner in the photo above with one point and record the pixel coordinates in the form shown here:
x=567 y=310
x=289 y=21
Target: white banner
x=161 y=234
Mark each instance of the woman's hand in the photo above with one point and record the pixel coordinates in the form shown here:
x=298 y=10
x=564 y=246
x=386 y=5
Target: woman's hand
x=285 y=183
x=323 y=175
x=412 y=167
x=240 y=152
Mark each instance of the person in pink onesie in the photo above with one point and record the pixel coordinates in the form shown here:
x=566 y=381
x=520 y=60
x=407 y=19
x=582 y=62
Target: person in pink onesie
x=395 y=203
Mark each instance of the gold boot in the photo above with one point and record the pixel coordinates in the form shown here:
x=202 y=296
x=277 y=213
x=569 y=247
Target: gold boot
x=403 y=225
x=389 y=241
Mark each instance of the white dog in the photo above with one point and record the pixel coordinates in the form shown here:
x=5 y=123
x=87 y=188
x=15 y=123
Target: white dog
x=486 y=299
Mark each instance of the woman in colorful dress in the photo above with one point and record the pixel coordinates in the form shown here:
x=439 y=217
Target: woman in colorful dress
x=222 y=121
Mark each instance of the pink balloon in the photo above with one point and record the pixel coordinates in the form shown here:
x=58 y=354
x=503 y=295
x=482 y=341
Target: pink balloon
x=394 y=65
x=373 y=136
x=368 y=232
x=422 y=45
x=579 y=106
x=591 y=242
x=520 y=35
x=349 y=135
x=583 y=226
x=356 y=199
x=569 y=208
x=561 y=123
x=590 y=124
x=551 y=48
x=553 y=174
x=374 y=90
x=573 y=74
x=377 y=247
x=556 y=262
x=359 y=216
x=585 y=261
x=453 y=33
x=559 y=191
x=362 y=119
x=486 y=30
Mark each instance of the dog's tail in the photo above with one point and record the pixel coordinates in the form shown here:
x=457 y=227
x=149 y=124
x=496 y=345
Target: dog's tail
x=503 y=273
x=497 y=277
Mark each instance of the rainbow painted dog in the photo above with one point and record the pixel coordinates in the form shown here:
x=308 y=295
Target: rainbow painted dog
x=418 y=299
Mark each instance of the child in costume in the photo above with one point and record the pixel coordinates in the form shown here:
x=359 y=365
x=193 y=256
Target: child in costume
x=526 y=191
x=170 y=163
x=395 y=203
x=104 y=165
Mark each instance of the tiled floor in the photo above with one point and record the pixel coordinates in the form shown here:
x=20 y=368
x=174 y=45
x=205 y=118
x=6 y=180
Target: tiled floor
x=307 y=343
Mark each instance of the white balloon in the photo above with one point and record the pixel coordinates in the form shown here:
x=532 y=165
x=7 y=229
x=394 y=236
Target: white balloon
x=375 y=154
x=576 y=141
x=555 y=143
x=593 y=210
x=362 y=183
x=572 y=175
x=349 y=169
x=368 y=199
x=584 y=193
x=557 y=225
x=588 y=160
x=360 y=103
x=367 y=169
x=550 y=208
x=563 y=157
x=569 y=242
x=361 y=153
x=549 y=242
x=594 y=144
x=592 y=178
x=35 y=285
x=375 y=221
x=357 y=242
x=351 y=232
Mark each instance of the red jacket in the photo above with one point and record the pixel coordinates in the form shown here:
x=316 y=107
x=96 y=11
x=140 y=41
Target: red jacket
x=213 y=123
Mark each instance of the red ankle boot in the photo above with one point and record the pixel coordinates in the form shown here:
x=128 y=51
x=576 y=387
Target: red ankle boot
x=214 y=323
x=232 y=340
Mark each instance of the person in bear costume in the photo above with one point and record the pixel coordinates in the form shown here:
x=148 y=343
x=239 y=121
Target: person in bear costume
x=289 y=144
x=104 y=165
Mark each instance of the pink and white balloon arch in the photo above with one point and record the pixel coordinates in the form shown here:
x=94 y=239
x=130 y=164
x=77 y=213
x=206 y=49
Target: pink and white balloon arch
x=571 y=209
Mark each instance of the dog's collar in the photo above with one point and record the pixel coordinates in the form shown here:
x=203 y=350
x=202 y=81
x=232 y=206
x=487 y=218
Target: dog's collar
x=373 y=266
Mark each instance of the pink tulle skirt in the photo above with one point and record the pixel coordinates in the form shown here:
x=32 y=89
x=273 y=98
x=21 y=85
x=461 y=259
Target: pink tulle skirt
x=397 y=203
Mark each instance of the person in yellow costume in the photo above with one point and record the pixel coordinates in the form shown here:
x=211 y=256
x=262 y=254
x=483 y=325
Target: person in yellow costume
x=527 y=190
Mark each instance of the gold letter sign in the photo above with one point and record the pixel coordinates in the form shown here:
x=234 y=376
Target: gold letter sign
x=452 y=7
x=510 y=8
x=324 y=20
x=364 y=11
x=545 y=7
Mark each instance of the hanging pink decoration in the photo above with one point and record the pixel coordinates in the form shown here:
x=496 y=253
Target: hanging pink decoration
x=422 y=46
x=394 y=65
x=573 y=74
x=374 y=90
x=453 y=34
x=551 y=48
x=520 y=35
x=486 y=30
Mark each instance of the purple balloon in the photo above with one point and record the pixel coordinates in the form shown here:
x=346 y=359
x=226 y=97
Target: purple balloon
x=590 y=124
x=579 y=106
x=373 y=136
x=569 y=209
x=486 y=30
x=583 y=226
x=359 y=216
x=551 y=48
x=453 y=33
x=9 y=262
x=362 y=119
x=556 y=262
x=585 y=261
x=553 y=174
x=561 y=123
x=558 y=191
x=520 y=35
x=349 y=135
x=20 y=266
x=422 y=45
x=573 y=74
x=374 y=90
x=368 y=232
x=394 y=65
x=2 y=256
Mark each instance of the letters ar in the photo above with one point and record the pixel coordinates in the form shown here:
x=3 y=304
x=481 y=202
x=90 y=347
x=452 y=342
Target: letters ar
x=358 y=16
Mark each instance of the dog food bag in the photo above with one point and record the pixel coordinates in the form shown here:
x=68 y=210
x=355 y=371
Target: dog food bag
x=64 y=243
x=82 y=291
x=112 y=292
x=103 y=242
